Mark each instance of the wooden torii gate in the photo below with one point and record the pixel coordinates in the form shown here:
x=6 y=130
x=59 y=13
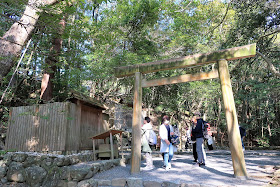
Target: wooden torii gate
x=220 y=57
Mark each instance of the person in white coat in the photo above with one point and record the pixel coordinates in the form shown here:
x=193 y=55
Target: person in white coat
x=166 y=147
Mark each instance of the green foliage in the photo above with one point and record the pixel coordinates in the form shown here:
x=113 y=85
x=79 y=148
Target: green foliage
x=3 y=152
x=263 y=141
x=10 y=11
x=4 y=115
x=256 y=88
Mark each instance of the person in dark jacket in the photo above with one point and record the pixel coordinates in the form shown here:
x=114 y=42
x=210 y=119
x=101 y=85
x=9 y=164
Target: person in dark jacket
x=194 y=121
x=197 y=132
x=242 y=135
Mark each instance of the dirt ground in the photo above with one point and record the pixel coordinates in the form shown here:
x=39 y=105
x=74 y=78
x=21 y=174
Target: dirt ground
x=218 y=171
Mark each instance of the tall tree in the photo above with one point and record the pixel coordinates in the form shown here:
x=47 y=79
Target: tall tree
x=14 y=39
x=51 y=63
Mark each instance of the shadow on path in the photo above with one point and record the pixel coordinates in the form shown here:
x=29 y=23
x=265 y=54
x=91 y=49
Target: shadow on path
x=212 y=170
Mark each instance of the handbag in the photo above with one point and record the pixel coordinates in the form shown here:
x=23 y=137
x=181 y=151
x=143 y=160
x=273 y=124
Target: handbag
x=175 y=140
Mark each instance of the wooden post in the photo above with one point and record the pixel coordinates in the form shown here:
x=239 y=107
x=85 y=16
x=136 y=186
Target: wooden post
x=122 y=145
x=136 y=125
x=112 y=148
x=93 y=148
x=237 y=154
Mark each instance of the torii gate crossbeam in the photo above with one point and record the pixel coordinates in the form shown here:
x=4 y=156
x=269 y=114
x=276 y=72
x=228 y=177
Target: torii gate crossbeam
x=220 y=57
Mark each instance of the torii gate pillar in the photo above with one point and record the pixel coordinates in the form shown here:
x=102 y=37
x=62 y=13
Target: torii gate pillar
x=235 y=145
x=136 y=126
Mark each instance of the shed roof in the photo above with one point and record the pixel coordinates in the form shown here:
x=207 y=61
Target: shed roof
x=107 y=134
x=86 y=100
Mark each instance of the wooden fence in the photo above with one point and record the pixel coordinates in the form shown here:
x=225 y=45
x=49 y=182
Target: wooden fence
x=56 y=126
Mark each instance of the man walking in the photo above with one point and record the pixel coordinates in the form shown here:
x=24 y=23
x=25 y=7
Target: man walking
x=198 y=133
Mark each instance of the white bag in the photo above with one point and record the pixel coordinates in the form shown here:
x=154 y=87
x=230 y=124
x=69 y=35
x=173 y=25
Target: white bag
x=152 y=138
x=210 y=140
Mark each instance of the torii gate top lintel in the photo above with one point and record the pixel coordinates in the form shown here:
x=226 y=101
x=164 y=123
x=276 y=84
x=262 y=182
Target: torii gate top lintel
x=188 y=61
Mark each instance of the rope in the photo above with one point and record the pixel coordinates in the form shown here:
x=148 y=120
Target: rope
x=27 y=45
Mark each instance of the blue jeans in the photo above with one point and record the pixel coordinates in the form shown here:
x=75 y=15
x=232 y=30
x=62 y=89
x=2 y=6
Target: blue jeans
x=201 y=155
x=242 y=142
x=168 y=155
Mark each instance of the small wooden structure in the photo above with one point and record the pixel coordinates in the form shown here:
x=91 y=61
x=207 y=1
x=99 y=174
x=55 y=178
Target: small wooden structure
x=220 y=57
x=59 y=126
x=105 y=149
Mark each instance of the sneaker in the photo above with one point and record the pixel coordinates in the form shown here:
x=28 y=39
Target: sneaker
x=169 y=165
x=201 y=164
x=194 y=160
x=167 y=168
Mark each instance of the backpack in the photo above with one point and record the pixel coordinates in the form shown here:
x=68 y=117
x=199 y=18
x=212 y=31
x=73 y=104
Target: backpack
x=175 y=140
x=152 y=137
x=205 y=130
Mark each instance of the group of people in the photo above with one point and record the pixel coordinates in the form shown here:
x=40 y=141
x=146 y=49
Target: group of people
x=166 y=147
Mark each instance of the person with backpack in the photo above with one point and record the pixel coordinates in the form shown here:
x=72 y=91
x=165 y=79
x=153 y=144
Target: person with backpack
x=147 y=137
x=209 y=139
x=242 y=131
x=198 y=132
x=166 y=147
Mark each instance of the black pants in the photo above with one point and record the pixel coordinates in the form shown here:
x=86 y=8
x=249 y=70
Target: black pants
x=210 y=147
x=186 y=145
x=194 y=152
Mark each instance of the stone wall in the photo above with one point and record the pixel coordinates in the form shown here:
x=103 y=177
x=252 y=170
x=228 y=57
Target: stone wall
x=34 y=169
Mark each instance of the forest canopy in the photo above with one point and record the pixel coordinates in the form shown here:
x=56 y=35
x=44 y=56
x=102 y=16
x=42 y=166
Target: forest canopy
x=48 y=48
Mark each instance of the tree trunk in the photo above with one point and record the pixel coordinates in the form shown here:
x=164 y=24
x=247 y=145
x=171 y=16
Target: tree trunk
x=14 y=39
x=51 y=61
x=269 y=130
x=277 y=114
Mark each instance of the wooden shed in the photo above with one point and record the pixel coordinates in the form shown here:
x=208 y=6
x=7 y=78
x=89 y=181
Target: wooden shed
x=59 y=126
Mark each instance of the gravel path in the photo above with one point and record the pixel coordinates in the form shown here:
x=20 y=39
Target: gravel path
x=217 y=172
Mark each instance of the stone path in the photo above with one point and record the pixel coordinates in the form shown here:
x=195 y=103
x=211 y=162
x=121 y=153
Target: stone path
x=217 y=172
